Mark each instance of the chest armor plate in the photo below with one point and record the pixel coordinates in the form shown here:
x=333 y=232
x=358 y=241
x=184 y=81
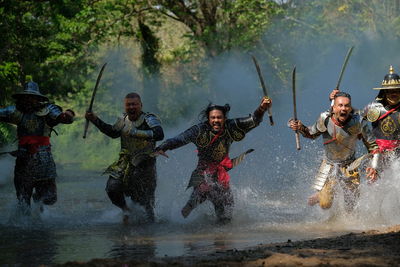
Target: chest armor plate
x=215 y=151
x=343 y=147
x=133 y=144
x=33 y=125
x=387 y=128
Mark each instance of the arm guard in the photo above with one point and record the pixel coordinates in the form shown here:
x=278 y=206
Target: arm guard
x=258 y=115
x=317 y=128
x=108 y=129
x=368 y=138
x=156 y=132
x=182 y=139
x=53 y=111
x=247 y=123
x=10 y=114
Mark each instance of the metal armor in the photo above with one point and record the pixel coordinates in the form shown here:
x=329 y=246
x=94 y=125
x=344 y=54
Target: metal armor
x=32 y=124
x=340 y=142
x=202 y=135
x=136 y=136
x=340 y=145
x=328 y=170
x=387 y=128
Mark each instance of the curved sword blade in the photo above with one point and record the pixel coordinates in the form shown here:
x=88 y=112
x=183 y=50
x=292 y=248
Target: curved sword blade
x=92 y=99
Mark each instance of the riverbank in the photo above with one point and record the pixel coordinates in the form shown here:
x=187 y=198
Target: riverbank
x=372 y=248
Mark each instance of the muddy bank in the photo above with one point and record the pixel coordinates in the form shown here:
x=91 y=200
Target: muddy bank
x=372 y=248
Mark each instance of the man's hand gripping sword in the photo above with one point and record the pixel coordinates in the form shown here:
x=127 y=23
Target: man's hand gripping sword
x=295 y=108
x=263 y=87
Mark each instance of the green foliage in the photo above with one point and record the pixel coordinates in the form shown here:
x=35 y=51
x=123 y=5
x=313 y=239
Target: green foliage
x=164 y=50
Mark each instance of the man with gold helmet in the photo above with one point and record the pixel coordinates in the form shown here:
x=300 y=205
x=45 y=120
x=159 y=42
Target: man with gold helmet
x=134 y=173
x=213 y=138
x=384 y=113
x=340 y=129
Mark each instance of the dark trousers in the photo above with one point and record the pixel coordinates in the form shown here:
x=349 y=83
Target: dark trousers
x=221 y=198
x=116 y=191
x=45 y=191
x=35 y=172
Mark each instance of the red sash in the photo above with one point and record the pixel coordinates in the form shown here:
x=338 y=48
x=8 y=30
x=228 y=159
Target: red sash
x=219 y=168
x=34 y=142
x=387 y=145
x=389 y=112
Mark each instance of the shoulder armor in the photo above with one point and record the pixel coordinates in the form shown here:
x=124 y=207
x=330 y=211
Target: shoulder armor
x=373 y=111
x=10 y=114
x=152 y=120
x=43 y=112
x=9 y=110
x=321 y=124
x=236 y=132
x=51 y=110
x=120 y=122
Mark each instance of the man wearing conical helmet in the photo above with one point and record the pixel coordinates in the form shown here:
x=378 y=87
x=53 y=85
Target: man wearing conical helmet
x=35 y=170
x=384 y=113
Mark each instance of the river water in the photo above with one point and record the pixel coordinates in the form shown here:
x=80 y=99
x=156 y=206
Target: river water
x=83 y=224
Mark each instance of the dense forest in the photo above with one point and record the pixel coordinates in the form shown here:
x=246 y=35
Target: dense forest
x=170 y=51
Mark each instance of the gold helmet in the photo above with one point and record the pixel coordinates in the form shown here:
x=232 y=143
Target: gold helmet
x=391 y=81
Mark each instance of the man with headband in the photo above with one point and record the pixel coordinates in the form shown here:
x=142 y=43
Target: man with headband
x=340 y=129
x=213 y=138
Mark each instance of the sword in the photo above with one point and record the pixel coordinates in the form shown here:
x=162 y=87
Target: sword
x=294 y=106
x=92 y=100
x=240 y=158
x=263 y=87
x=346 y=60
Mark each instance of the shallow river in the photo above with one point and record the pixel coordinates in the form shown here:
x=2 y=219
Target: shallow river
x=84 y=225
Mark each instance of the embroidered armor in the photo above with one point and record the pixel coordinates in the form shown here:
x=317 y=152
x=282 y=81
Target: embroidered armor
x=387 y=128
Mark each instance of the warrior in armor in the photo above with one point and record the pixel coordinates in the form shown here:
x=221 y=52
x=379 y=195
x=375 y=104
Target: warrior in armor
x=340 y=129
x=383 y=114
x=134 y=173
x=35 y=169
x=213 y=138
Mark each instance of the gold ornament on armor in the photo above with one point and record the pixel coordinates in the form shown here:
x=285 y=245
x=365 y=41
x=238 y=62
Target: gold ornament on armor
x=220 y=152
x=31 y=124
x=373 y=114
x=203 y=140
x=237 y=135
x=388 y=126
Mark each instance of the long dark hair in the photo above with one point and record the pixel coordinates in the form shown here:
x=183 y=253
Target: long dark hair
x=203 y=115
